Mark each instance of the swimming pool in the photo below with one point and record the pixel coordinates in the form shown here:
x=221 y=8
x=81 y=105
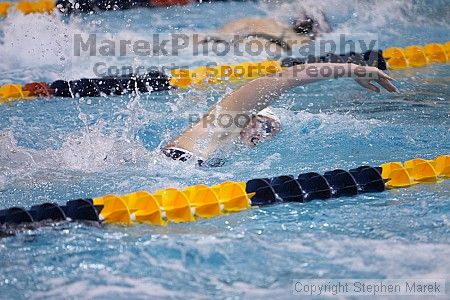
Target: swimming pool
x=57 y=150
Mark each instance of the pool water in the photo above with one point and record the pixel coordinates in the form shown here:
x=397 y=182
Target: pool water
x=54 y=150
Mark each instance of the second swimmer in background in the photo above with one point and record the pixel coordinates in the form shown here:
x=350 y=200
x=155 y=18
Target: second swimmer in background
x=284 y=35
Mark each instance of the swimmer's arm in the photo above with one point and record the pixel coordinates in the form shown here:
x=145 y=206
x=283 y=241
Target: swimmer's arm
x=309 y=73
x=261 y=92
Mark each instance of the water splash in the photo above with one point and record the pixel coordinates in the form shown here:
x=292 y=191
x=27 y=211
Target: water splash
x=33 y=42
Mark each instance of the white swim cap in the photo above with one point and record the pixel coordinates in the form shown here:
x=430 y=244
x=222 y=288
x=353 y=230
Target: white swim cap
x=262 y=127
x=268 y=113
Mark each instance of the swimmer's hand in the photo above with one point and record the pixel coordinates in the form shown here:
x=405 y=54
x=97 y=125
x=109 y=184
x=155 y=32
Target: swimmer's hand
x=374 y=74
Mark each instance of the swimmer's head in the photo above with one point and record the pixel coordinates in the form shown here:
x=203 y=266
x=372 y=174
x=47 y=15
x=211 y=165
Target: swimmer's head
x=303 y=26
x=261 y=127
x=310 y=26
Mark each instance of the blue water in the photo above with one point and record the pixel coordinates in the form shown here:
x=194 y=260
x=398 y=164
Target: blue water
x=54 y=150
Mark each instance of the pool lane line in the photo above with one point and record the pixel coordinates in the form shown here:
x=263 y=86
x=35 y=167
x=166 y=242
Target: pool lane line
x=200 y=201
x=392 y=58
x=68 y=7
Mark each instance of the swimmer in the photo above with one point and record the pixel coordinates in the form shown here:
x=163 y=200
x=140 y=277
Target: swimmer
x=253 y=122
x=302 y=30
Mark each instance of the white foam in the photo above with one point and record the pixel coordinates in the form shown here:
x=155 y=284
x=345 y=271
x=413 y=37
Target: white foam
x=36 y=41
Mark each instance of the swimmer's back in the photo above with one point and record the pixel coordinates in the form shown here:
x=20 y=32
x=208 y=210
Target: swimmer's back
x=254 y=24
x=267 y=26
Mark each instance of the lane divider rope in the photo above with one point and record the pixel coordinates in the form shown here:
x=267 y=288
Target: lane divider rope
x=28 y=7
x=81 y=6
x=417 y=56
x=391 y=58
x=201 y=201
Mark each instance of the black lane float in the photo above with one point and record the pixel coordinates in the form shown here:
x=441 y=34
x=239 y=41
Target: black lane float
x=68 y=7
x=262 y=192
x=201 y=201
x=180 y=78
